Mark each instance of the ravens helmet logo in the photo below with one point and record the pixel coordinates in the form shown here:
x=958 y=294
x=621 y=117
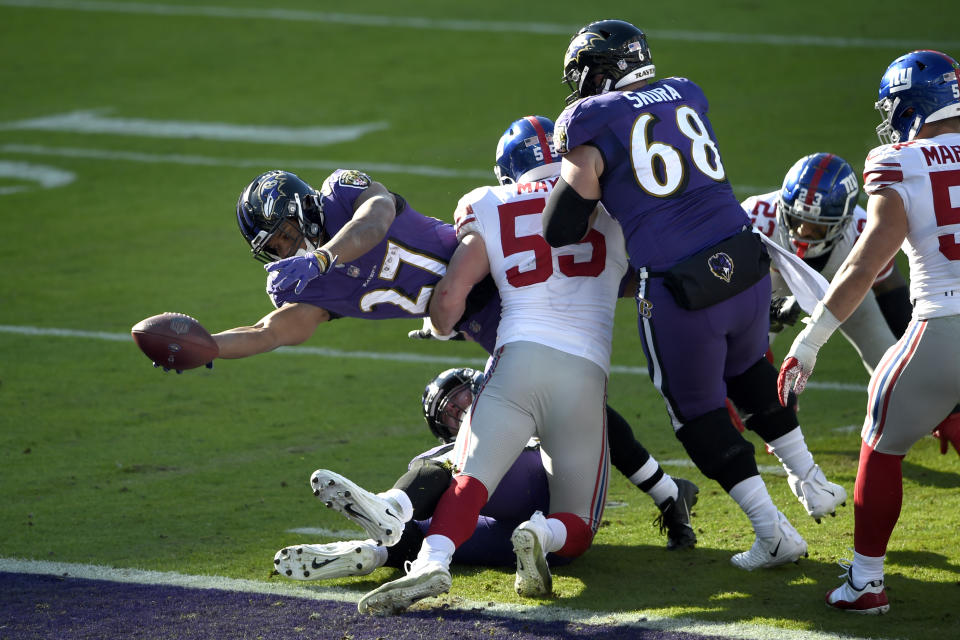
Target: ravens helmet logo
x=585 y=41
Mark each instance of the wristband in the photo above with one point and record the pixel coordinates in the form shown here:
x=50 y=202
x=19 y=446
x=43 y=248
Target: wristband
x=324 y=260
x=821 y=325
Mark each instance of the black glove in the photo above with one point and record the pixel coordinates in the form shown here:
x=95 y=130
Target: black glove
x=784 y=312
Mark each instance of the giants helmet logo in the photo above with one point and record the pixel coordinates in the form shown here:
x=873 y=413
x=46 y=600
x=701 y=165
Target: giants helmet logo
x=901 y=79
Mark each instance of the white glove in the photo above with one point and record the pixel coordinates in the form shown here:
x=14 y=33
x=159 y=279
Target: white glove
x=802 y=357
x=429 y=332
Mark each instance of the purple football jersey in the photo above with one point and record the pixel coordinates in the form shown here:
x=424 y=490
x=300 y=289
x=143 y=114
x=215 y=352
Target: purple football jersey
x=396 y=278
x=663 y=180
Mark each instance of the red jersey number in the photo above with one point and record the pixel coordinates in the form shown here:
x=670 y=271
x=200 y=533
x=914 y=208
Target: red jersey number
x=542 y=251
x=941 y=182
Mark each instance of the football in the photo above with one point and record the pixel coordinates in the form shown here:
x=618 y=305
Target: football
x=175 y=341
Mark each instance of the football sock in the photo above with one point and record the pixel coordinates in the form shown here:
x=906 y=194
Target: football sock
x=866 y=569
x=558 y=535
x=751 y=494
x=877 y=498
x=652 y=479
x=578 y=534
x=792 y=452
x=401 y=500
x=456 y=514
x=437 y=548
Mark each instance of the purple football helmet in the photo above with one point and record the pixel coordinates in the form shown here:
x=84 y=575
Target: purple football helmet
x=526 y=145
x=919 y=87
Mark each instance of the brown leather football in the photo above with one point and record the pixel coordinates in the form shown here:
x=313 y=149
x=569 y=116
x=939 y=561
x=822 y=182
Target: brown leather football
x=175 y=341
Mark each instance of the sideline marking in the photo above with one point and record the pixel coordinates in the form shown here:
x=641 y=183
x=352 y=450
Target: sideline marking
x=96 y=121
x=484 y=26
x=366 y=355
x=157 y=158
x=543 y=612
x=47 y=177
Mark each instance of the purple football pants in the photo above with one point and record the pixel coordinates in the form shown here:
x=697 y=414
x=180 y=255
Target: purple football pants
x=691 y=354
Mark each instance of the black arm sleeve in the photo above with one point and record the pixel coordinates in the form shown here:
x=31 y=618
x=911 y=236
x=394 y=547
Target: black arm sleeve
x=896 y=308
x=567 y=216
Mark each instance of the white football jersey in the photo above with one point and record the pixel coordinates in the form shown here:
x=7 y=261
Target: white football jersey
x=926 y=175
x=762 y=210
x=866 y=329
x=563 y=298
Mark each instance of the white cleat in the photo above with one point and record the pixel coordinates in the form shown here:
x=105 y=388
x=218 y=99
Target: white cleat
x=533 y=574
x=379 y=517
x=870 y=599
x=818 y=496
x=327 y=561
x=784 y=546
x=423 y=580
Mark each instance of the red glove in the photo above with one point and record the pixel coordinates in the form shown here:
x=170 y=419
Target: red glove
x=948 y=432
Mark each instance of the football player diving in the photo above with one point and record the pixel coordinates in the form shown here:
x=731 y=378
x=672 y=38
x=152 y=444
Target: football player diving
x=354 y=249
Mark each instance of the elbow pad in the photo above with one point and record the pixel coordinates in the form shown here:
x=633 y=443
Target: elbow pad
x=567 y=215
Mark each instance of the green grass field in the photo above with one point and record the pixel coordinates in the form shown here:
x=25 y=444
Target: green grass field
x=118 y=181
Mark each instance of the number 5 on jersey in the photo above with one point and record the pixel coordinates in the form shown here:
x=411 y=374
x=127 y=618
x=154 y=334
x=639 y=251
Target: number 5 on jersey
x=542 y=251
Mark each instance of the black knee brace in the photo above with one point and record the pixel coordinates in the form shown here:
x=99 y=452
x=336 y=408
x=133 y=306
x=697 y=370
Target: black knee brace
x=424 y=483
x=626 y=453
x=718 y=449
x=755 y=393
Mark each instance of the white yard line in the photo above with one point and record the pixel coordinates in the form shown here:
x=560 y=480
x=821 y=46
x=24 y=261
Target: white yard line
x=315 y=591
x=101 y=121
x=464 y=25
x=260 y=163
x=364 y=355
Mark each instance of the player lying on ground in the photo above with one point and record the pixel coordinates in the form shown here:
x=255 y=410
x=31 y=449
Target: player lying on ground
x=409 y=505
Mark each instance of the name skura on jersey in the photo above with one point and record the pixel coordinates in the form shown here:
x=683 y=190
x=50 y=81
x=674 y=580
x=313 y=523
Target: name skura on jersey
x=663 y=180
x=396 y=278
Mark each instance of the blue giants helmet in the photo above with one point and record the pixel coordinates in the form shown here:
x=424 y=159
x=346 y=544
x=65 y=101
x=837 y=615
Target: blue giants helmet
x=526 y=145
x=820 y=189
x=919 y=87
x=273 y=198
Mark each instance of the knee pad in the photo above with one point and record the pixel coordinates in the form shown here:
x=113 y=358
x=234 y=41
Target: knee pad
x=755 y=390
x=424 y=483
x=626 y=454
x=755 y=393
x=718 y=449
x=776 y=422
